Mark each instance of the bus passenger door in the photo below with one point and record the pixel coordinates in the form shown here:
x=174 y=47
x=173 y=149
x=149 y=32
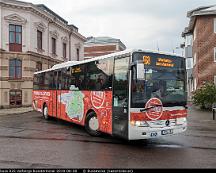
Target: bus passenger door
x=57 y=94
x=55 y=80
x=120 y=98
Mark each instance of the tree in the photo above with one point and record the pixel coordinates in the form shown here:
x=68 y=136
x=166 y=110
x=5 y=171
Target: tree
x=205 y=96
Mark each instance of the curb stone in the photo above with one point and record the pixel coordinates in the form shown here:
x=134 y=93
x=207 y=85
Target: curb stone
x=15 y=111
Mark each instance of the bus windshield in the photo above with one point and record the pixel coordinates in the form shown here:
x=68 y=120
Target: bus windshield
x=164 y=78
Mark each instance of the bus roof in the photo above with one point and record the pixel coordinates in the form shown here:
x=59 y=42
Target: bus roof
x=128 y=51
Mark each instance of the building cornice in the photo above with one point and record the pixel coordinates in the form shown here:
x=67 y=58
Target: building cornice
x=31 y=54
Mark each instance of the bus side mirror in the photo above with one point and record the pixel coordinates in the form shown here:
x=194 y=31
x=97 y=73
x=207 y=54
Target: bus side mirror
x=140 y=71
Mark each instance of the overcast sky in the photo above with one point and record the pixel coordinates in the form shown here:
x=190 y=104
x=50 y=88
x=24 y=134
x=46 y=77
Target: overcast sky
x=138 y=23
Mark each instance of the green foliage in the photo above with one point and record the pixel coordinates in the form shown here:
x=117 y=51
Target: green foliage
x=205 y=96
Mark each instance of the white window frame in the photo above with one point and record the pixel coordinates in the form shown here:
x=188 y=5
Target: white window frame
x=215 y=54
x=189 y=63
x=215 y=80
x=194 y=59
x=188 y=40
x=214 y=25
x=195 y=84
x=195 y=33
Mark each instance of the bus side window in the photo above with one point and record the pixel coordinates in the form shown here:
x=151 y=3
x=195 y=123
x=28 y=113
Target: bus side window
x=77 y=79
x=55 y=80
x=41 y=80
x=50 y=80
x=36 y=82
x=65 y=79
x=59 y=82
x=99 y=75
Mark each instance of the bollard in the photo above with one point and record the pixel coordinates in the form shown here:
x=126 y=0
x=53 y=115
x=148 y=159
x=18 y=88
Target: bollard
x=214 y=113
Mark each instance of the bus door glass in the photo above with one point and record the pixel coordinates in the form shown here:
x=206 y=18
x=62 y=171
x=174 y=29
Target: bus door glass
x=120 y=97
x=56 y=93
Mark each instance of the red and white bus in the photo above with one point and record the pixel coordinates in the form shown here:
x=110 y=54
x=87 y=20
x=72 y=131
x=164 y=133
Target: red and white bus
x=132 y=94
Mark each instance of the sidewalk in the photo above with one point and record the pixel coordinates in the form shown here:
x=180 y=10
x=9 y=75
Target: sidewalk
x=15 y=111
x=196 y=114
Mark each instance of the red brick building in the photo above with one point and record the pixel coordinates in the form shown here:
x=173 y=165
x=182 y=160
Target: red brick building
x=98 y=46
x=202 y=31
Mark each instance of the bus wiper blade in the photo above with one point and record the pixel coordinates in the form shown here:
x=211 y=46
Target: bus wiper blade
x=146 y=109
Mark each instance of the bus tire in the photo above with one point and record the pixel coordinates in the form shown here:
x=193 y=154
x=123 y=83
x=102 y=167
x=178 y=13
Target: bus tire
x=92 y=124
x=45 y=112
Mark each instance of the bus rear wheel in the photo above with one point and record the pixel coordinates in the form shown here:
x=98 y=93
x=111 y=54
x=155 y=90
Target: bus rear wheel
x=45 y=112
x=92 y=124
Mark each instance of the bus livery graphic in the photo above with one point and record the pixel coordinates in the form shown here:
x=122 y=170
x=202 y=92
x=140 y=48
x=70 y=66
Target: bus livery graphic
x=74 y=104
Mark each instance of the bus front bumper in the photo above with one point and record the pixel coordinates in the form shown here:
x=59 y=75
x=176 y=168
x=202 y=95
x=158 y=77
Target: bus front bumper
x=137 y=133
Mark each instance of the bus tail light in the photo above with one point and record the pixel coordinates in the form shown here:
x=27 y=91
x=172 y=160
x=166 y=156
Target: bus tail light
x=139 y=123
x=181 y=121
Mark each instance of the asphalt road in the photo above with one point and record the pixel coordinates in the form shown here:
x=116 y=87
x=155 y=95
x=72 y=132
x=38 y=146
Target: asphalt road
x=28 y=141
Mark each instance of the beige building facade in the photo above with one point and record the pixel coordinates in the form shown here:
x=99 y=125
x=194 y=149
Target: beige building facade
x=32 y=38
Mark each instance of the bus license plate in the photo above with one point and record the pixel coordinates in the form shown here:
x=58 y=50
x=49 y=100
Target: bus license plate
x=167 y=132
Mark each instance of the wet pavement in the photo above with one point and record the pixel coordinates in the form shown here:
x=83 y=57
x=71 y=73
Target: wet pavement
x=29 y=141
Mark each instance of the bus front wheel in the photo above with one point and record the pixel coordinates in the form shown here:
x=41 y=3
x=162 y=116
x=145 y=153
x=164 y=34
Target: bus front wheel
x=45 y=112
x=92 y=124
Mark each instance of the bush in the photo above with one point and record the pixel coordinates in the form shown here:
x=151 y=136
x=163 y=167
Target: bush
x=205 y=96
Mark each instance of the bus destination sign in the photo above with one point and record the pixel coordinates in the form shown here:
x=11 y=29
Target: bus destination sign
x=164 y=62
x=76 y=70
x=160 y=62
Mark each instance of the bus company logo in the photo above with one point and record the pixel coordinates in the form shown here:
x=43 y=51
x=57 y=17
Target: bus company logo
x=97 y=99
x=147 y=60
x=40 y=93
x=155 y=109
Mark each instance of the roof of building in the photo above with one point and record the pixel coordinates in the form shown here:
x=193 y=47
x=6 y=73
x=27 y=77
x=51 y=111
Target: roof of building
x=45 y=8
x=121 y=53
x=203 y=10
x=200 y=11
x=103 y=40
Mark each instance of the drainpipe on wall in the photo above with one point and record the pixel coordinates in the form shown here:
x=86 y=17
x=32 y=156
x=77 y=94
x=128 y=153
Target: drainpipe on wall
x=70 y=45
x=48 y=38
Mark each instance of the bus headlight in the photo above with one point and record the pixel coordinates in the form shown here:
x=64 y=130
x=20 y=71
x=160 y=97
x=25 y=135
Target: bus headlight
x=139 y=123
x=180 y=121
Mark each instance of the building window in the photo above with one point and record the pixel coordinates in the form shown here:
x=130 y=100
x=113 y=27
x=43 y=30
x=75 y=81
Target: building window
x=15 y=69
x=15 y=98
x=189 y=63
x=188 y=40
x=78 y=54
x=215 y=80
x=38 y=66
x=195 y=84
x=64 y=50
x=54 y=46
x=215 y=54
x=15 y=38
x=39 y=40
x=195 y=59
x=215 y=25
x=195 y=33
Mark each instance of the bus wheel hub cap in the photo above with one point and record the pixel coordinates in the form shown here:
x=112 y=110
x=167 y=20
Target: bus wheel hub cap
x=93 y=123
